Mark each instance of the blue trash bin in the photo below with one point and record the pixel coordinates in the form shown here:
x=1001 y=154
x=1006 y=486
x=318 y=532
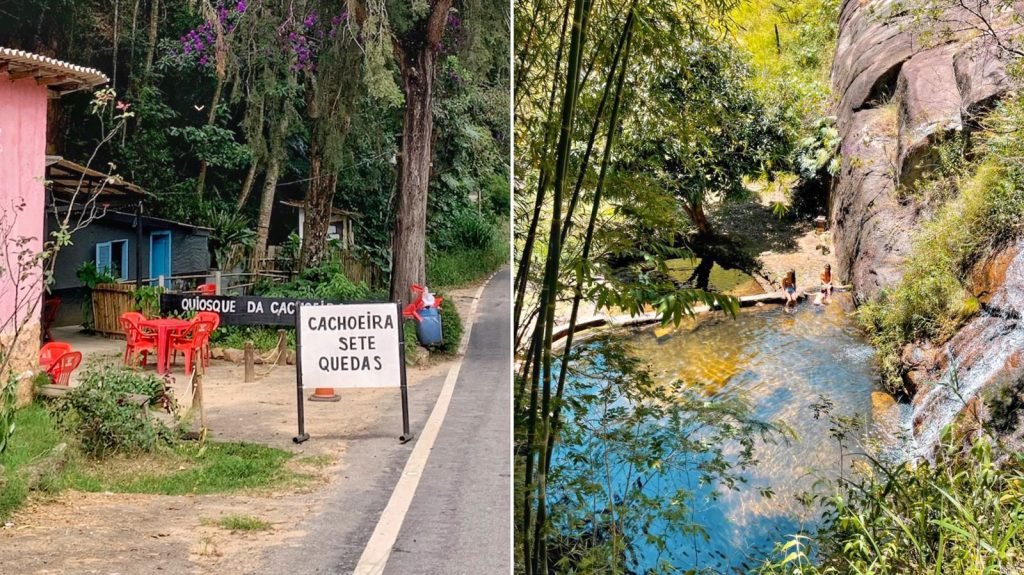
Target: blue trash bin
x=428 y=328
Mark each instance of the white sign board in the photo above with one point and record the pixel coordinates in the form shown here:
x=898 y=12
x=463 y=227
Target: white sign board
x=350 y=345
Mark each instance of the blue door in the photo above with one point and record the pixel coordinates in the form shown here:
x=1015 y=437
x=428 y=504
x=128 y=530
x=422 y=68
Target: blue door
x=160 y=257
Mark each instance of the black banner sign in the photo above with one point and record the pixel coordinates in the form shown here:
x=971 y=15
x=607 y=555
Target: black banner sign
x=237 y=310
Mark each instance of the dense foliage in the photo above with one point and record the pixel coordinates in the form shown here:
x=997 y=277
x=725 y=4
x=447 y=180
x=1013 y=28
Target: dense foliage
x=963 y=513
x=239 y=104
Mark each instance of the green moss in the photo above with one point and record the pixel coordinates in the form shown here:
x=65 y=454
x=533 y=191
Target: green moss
x=933 y=299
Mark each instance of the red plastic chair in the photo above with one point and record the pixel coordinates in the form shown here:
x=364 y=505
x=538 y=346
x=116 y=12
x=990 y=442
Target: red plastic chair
x=136 y=341
x=214 y=318
x=207 y=289
x=60 y=371
x=51 y=351
x=50 y=307
x=191 y=341
x=411 y=311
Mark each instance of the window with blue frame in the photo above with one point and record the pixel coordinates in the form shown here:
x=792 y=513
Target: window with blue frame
x=112 y=257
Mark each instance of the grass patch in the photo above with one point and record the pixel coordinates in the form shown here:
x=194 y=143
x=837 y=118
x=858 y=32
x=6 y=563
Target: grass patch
x=191 y=469
x=35 y=436
x=241 y=523
x=460 y=267
x=183 y=468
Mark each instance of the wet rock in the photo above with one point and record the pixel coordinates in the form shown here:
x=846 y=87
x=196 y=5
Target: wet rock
x=919 y=357
x=234 y=355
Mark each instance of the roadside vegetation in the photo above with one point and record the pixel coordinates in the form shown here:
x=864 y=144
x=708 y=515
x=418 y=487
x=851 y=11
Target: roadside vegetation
x=98 y=438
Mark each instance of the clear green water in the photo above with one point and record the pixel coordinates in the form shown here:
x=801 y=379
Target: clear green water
x=781 y=363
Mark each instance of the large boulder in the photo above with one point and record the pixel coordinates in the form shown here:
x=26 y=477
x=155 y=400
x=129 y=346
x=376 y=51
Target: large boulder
x=901 y=88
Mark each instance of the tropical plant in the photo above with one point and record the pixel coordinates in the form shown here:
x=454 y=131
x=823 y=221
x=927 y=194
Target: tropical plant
x=90 y=277
x=100 y=411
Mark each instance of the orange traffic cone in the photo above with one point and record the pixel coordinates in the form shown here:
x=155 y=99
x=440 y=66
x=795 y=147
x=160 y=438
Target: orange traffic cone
x=324 y=394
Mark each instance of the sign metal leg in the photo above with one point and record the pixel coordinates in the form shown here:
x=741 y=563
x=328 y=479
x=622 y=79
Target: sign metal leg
x=302 y=436
x=406 y=433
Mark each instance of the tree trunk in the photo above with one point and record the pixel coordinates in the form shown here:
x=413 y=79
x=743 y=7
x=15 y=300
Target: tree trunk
x=250 y=176
x=154 y=16
x=700 y=220
x=408 y=265
x=318 y=204
x=259 y=250
x=210 y=120
x=276 y=156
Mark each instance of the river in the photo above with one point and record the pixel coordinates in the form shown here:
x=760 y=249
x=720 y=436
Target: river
x=782 y=363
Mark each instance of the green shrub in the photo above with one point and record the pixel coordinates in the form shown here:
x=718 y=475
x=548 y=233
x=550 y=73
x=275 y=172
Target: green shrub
x=463 y=266
x=497 y=195
x=263 y=338
x=100 y=414
x=90 y=277
x=147 y=300
x=411 y=340
x=467 y=230
x=451 y=327
x=961 y=514
x=327 y=282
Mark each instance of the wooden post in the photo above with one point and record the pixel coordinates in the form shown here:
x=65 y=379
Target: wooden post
x=778 y=42
x=282 y=346
x=250 y=365
x=217 y=281
x=197 y=395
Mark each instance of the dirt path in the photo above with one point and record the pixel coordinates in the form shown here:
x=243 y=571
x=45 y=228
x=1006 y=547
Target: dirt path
x=108 y=533
x=777 y=244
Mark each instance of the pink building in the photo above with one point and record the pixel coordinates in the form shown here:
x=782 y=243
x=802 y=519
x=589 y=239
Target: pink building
x=27 y=82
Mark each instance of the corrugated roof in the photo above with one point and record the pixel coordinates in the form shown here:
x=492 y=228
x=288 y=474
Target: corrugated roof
x=66 y=177
x=58 y=76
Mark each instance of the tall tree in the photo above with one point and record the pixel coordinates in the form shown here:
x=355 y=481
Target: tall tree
x=416 y=44
x=332 y=82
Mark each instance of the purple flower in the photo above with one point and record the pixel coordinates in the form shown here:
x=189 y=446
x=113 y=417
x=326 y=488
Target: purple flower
x=242 y=5
x=310 y=20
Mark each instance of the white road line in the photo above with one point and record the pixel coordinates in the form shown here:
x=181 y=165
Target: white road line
x=378 y=548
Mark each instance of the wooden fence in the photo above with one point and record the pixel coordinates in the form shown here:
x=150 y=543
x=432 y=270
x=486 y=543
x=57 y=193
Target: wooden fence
x=109 y=301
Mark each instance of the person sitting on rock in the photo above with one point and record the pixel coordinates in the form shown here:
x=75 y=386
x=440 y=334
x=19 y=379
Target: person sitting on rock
x=826 y=283
x=789 y=287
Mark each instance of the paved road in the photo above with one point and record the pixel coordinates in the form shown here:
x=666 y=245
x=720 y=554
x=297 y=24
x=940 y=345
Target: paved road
x=459 y=520
x=459 y=523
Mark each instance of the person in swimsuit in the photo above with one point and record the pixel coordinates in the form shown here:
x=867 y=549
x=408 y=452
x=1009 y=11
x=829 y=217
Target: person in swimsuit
x=790 y=288
x=826 y=283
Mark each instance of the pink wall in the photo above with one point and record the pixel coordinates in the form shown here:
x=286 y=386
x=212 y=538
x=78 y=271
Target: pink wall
x=22 y=169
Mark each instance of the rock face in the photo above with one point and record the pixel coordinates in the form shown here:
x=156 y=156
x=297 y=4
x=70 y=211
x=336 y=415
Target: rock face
x=986 y=354
x=901 y=89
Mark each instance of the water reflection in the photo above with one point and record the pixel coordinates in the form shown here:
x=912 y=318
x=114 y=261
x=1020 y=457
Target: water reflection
x=781 y=362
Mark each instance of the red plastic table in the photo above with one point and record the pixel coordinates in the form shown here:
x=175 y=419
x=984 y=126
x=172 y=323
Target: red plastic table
x=164 y=327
